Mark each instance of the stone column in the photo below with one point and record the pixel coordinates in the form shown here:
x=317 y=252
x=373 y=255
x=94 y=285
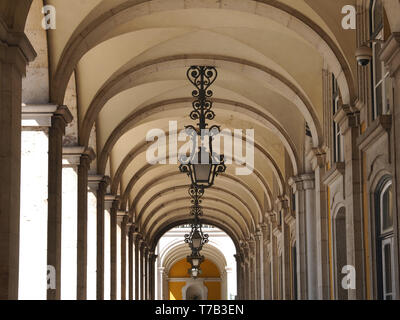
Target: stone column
x=243 y=284
x=71 y=161
x=286 y=276
x=274 y=232
x=259 y=280
x=239 y=289
x=98 y=184
x=145 y=261
x=390 y=54
x=15 y=53
x=57 y=130
x=318 y=161
x=137 y=242
x=266 y=239
x=133 y=294
x=151 y=276
x=253 y=284
x=246 y=271
x=303 y=187
x=348 y=121
x=165 y=285
x=83 y=170
x=124 y=227
x=111 y=203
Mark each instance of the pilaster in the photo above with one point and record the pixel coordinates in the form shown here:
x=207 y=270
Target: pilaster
x=348 y=120
x=15 y=53
x=86 y=158
x=390 y=55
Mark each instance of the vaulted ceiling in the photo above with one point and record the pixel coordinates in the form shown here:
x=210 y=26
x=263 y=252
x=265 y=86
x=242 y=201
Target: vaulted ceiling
x=130 y=60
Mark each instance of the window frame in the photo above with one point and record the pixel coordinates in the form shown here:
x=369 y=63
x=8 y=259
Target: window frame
x=382 y=238
x=337 y=136
x=378 y=34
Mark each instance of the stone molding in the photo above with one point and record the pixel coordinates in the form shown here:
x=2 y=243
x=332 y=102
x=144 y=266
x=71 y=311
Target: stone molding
x=347 y=117
x=95 y=182
x=337 y=170
x=302 y=182
x=37 y=115
x=109 y=201
x=390 y=53
x=317 y=157
x=17 y=39
x=72 y=155
x=41 y=115
x=380 y=126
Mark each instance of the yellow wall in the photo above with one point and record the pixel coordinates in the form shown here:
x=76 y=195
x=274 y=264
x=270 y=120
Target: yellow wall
x=180 y=270
x=214 y=290
x=175 y=290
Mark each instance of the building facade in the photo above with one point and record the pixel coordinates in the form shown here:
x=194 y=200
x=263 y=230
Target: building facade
x=308 y=92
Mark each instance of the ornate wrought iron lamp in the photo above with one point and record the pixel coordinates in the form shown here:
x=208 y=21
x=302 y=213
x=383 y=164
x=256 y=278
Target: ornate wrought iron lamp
x=202 y=165
x=194 y=272
x=195 y=259
x=196 y=238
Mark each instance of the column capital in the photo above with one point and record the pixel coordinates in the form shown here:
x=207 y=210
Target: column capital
x=45 y=115
x=258 y=234
x=347 y=117
x=282 y=203
x=111 y=201
x=72 y=155
x=265 y=230
x=390 y=54
x=302 y=182
x=238 y=258
x=121 y=215
x=98 y=182
x=317 y=157
x=252 y=244
x=87 y=157
x=15 y=48
x=137 y=238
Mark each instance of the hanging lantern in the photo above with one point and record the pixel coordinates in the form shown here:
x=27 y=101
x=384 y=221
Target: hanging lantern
x=202 y=165
x=196 y=239
x=194 y=272
x=195 y=259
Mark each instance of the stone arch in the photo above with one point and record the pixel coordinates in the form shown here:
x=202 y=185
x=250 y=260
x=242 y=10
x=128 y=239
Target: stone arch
x=167 y=225
x=160 y=106
x=120 y=82
x=141 y=147
x=229 y=178
x=90 y=34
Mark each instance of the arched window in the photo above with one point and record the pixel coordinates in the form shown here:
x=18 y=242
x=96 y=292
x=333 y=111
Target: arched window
x=337 y=136
x=385 y=240
x=381 y=82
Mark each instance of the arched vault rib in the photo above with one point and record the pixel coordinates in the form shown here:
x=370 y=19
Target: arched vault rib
x=116 y=180
x=153 y=212
x=89 y=34
x=154 y=235
x=120 y=82
x=180 y=251
x=210 y=211
x=122 y=128
x=225 y=176
x=159 y=107
x=217 y=189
